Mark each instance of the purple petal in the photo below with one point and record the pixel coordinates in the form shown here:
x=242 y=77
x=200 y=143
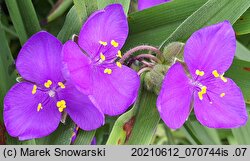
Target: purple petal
x=39 y=59
x=21 y=117
x=105 y=25
x=218 y=111
x=115 y=92
x=175 y=97
x=81 y=110
x=211 y=48
x=143 y=4
x=76 y=67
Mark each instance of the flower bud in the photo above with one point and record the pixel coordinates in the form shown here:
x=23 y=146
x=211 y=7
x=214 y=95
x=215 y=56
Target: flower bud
x=154 y=78
x=172 y=52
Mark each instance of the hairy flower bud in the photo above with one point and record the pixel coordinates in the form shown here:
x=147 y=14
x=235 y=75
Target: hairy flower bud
x=172 y=52
x=154 y=78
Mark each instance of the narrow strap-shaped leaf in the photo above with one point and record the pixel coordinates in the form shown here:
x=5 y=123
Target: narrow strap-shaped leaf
x=29 y=17
x=200 y=134
x=242 y=25
x=242 y=134
x=152 y=26
x=17 y=20
x=60 y=10
x=210 y=13
x=146 y=120
x=84 y=137
x=85 y=8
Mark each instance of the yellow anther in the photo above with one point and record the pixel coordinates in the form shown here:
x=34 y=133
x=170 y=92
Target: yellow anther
x=102 y=57
x=39 y=107
x=199 y=73
x=223 y=78
x=203 y=89
x=48 y=83
x=119 y=64
x=215 y=73
x=114 y=43
x=103 y=43
x=200 y=94
x=222 y=94
x=108 y=71
x=34 y=89
x=61 y=105
x=119 y=54
x=60 y=84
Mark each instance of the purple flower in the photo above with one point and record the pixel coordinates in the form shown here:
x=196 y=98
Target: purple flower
x=143 y=4
x=93 y=66
x=218 y=102
x=33 y=108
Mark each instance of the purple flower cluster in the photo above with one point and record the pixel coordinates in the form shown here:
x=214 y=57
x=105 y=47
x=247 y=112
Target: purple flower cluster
x=87 y=80
x=84 y=79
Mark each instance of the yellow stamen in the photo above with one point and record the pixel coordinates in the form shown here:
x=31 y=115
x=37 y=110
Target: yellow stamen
x=61 y=85
x=199 y=73
x=215 y=73
x=114 y=43
x=48 y=83
x=223 y=78
x=39 y=107
x=202 y=92
x=119 y=54
x=34 y=89
x=222 y=94
x=102 y=57
x=108 y=71
x=204 y=89
x=103 y=43
x=200 y=95
x=61 y=105
x=119 y=64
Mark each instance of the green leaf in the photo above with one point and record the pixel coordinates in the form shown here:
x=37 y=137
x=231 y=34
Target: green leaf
x=125 y=3
x=29 y=17
x=198 y=134
x=84 y=137
x=71 y=25
x=146 y=120
x=17 y=20
x=240 y=73
x=60 y=10
x=210 y=13
x=152 y=26
x=119 y=133
x=85 y=8
x=242 y=25
x=242 y=134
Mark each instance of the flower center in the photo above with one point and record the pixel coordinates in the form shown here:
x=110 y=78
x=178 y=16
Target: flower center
x=51 y=91
x=201 y=88
x=104 y=58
